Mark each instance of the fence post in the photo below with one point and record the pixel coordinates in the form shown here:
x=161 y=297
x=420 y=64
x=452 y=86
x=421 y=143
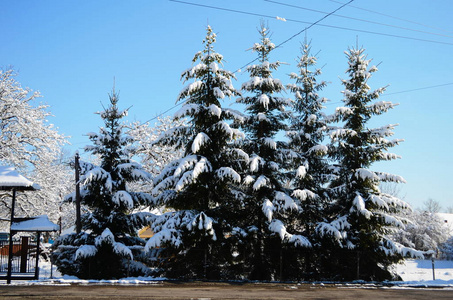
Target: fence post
x=38 y=244
x=23 y=254
x=11 y=234
x=432 y=262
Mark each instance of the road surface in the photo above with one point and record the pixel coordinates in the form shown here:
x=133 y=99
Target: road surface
x=205 y=290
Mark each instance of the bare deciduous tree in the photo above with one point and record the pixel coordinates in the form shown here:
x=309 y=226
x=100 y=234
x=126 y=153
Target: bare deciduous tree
x=431 y=206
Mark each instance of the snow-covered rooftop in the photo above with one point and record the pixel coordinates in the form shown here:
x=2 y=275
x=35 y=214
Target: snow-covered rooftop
x=39 y=223
x=11 y=179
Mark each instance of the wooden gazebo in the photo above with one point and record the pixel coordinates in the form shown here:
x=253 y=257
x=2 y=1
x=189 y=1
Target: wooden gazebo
x=11 y=180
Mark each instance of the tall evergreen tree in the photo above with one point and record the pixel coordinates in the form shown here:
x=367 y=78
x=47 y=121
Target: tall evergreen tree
x=268 y=202
x=197 y=186
x=361 y=215
x=108 y=247
x=309 y=170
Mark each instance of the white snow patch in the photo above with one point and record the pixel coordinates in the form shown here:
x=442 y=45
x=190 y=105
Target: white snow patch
x=264 y=100
x=304 y=194
x=278 y=227
x=215 y=110
x=123 y=197
x=9 y=177
x=39 y=223
x=260 y=182
x=301 y=172
x=86 y=251
x=365 y=174
x=358 y=204
x=270 y=143
x=227 y=172
x=319 y=149
x=268 y=209
x=420 y=272
x=255 y=162
x=300 y=241
x=248 y=180
x=414 y=273
x=201 y=139
x=288 y=202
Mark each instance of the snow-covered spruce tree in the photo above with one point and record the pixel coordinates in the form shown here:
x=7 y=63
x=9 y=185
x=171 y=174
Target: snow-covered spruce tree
x=309 y=170
x=194 y=237
x=267 y=204
x=362 y=217
x=108 y=246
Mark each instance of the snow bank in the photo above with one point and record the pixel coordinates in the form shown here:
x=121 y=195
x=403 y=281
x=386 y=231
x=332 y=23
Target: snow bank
x=420 y=270
x=414 y=272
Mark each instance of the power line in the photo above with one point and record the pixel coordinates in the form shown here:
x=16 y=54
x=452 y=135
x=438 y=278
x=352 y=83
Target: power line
x=418 y=89
x=224 y=9
x=393 y=17
x=303 y=30
x=357 y=19
x=161 y=114
x=322 y=25
x=405 y=91
x=298 y=33
x=279 y=45
x=315 y=23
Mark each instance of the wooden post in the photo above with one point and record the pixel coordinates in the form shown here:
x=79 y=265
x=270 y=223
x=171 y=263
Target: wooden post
x=77 y=169
x=10 y=250
x=432 y=262
x=23 y=254
x=38 y=245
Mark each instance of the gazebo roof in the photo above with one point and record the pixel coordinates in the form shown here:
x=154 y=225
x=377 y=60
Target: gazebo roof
x=10 y=179
x=35 y=224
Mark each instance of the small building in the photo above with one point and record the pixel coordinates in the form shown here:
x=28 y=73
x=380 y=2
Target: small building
x=21 y=254
x=145 y=233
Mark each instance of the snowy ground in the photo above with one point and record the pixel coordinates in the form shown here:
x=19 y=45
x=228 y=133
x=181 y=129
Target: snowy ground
x=420 y=272
x=415 y=273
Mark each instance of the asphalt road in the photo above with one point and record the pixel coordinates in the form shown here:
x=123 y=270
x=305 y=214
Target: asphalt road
x=203 y=290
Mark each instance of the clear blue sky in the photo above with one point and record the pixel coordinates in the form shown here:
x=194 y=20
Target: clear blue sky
x=71 y=50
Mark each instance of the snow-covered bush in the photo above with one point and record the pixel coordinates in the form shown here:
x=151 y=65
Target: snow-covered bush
x=424 y=232
x=446 y=249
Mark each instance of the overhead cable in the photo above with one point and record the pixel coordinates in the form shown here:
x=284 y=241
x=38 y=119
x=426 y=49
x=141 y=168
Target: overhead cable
x=358 y=19
x=321 y=25
x=393 y=17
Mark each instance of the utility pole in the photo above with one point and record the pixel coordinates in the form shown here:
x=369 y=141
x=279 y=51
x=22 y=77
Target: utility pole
x=77 y=175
